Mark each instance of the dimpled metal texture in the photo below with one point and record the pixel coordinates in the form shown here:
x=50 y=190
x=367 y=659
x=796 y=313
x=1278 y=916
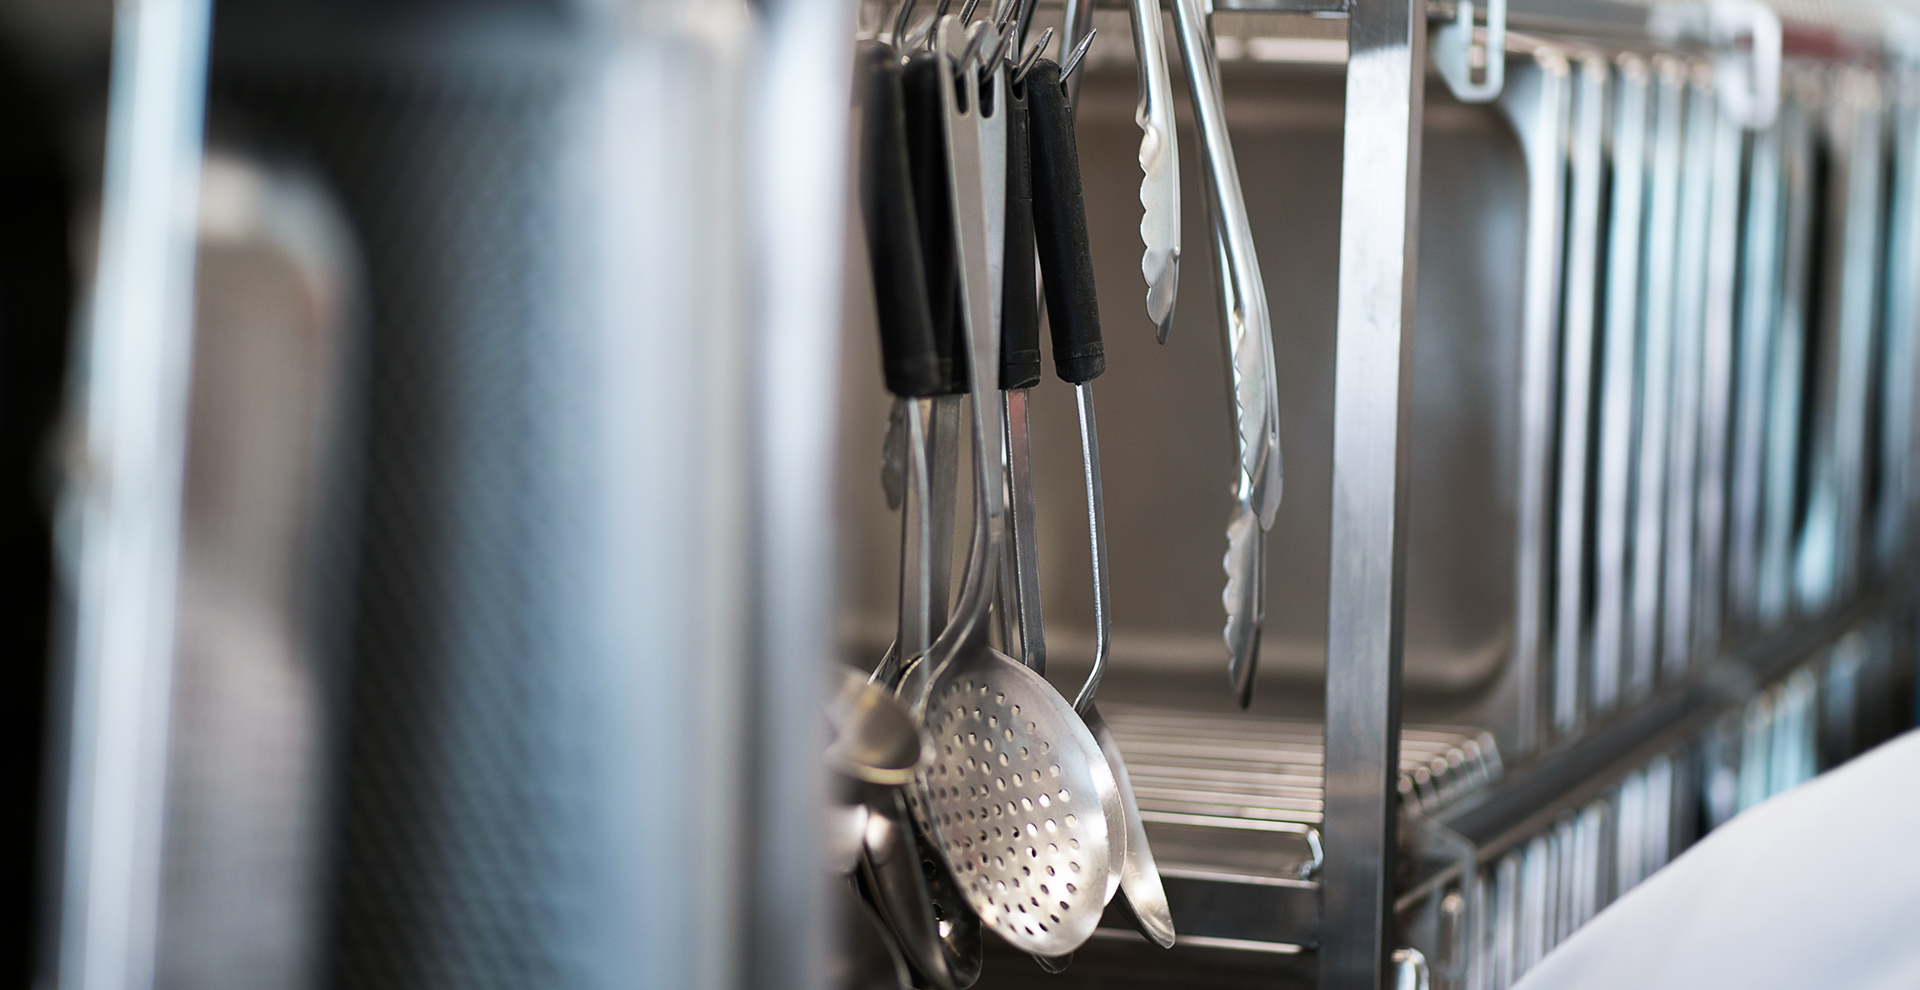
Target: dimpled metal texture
x=1014 y=805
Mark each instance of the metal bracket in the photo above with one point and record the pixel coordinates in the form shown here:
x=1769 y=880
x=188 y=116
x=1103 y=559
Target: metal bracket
x=1744 y=36
x=1454 y=53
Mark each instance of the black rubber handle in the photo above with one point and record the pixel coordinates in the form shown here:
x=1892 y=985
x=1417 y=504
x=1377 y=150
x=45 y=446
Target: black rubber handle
x=908 y=355
x=1019 y=309
x=1060 y=230
x=927 y=157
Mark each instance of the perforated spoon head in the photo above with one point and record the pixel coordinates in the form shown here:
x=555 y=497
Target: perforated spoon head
x=1013 y=799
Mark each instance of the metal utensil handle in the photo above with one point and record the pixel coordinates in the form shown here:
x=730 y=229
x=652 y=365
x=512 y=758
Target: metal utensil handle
x=1097 y=537
x=909 y=358
x=1020 y=311
x=933 y=209
x=1024 y=554
x=976 y=155
x=1060 y=231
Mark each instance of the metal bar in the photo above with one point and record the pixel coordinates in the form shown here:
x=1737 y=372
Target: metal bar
x=1716 y=383
x=139 y=355
x=1902 y=488
x=1620 y=357
x=1536 y=101
x=1576 y=393
x=1759 y=308
x=1779 y=502
x=1649 y=508
x=1683 y=414
x=799 y=126
x=1862 y=123
x=1379 y=217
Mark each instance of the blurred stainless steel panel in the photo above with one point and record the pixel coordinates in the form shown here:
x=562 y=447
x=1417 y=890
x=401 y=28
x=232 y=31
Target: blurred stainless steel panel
x=1830 y=551
x=1762 y=284
x=1899 y=493
x=1782 y=500
x=1720 y=285
x=126 y=497
x=1656 y=372
x=277 y=320
x=1536 y=99
x=1572 y=575
x=1620 y=350
x=799 y=147
x=1684 y=412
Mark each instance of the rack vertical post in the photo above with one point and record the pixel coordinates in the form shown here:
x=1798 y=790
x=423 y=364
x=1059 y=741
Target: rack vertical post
x=1379 y=208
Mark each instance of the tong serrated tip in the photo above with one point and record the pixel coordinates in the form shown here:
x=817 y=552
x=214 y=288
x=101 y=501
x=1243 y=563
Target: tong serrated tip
x=1246 y=542
x=1161 y=291
x=1159 y=169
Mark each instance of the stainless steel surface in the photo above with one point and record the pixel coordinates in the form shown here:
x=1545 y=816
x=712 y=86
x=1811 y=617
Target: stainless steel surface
x=971 y=697
x=1248 y=347
x=1620 y=360
x=1379 y=241
x=123 y=586
x=1159 y=167
x=1571 y=629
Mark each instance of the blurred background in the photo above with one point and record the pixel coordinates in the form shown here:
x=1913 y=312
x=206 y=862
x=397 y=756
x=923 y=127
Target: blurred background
x=440 y=448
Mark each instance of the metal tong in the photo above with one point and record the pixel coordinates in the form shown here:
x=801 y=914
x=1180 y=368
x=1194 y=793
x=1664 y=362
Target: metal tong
x=1159 y=168
x=1253 y=396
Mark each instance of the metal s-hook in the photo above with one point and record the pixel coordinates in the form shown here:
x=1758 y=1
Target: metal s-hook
x=1454 y=51
x=1745 y=39
x=1079 y=52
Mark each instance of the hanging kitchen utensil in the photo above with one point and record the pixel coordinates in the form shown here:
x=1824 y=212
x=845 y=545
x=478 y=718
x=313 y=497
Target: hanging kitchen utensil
x=872 y=739
x=926 y=925
x=1159 y=167
x=1079 y=356
x=1019 y=372
x=1250 y=365
x=927 y=157
x=909 y=356
x=1012 y=800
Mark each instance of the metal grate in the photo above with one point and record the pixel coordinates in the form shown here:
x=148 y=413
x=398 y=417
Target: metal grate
x=1245 y=767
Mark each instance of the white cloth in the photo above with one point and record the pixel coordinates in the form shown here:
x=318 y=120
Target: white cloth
x=1818 y=887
